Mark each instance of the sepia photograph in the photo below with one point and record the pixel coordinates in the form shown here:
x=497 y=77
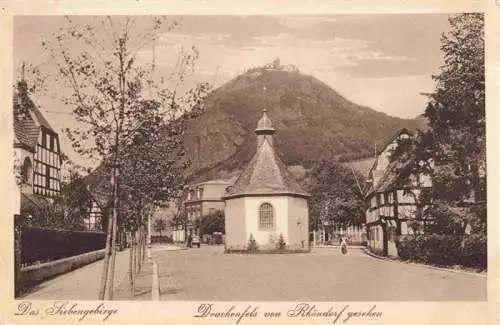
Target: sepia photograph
x=267 y=158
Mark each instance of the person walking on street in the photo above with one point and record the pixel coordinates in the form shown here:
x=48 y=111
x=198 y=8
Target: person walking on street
x=343 y=245
x=190 y=240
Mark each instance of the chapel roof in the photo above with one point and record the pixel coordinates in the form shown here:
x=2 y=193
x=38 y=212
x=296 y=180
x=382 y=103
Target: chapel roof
x=265 y=174
x=264 y=123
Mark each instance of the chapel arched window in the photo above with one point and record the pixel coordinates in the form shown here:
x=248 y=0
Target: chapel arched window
x=266 y=216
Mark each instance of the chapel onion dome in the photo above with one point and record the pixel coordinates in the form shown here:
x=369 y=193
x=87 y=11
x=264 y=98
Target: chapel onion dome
x=264 y=126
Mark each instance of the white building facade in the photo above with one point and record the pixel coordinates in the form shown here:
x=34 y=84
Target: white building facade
x=265 y=203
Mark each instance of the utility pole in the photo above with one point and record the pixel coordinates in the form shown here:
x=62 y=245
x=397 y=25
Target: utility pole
x=357 y=182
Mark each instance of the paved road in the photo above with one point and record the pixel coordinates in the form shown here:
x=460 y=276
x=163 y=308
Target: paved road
x=322 y=275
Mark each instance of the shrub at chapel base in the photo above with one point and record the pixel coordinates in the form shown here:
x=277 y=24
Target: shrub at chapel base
x=252 y=244
x=281 y=244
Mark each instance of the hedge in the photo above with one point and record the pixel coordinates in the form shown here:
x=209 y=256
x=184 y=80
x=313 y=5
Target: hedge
x=475 y=252
x=444 y=250
x=44 y=245
x=161 y=240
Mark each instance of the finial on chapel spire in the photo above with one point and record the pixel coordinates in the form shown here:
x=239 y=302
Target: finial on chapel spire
x=264 y=126
x=264 y=129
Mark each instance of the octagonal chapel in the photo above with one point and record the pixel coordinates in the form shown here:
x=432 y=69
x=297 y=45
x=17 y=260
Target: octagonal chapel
x=266 y=202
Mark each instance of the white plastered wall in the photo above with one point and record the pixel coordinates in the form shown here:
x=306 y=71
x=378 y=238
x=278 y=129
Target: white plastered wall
x=280 y=212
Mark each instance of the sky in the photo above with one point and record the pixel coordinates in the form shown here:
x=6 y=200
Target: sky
x=382 y=61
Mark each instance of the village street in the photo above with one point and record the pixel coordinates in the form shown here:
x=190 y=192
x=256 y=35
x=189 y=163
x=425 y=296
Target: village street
x=207 y=273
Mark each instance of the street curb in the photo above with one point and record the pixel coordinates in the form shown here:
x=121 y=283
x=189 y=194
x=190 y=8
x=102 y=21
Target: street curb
x=33 y=274
x=385 y=258
x=168 y=250
x=367 y=252
x=451 y=270
x=338 y=246
x=155 y=286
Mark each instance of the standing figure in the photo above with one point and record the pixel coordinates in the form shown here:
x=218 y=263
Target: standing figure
x=190 y=240
x=343 y=245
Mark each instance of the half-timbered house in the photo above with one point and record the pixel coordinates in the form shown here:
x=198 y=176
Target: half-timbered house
x=36 y=147
x=392 y=202
x=99 y=187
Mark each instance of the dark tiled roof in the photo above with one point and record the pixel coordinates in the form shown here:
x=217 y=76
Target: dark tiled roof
x=98 y=182
x=265 y=174
x=25 y=127
x=387 y=143
x=25 y=132
x=392 y=174
x=33 y=202
x=27 y=118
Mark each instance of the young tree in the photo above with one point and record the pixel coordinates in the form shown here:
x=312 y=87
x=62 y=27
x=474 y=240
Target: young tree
x=211 y=223
x=113 y=95
x=152 y=172
x=456 y=110
x=335 y=196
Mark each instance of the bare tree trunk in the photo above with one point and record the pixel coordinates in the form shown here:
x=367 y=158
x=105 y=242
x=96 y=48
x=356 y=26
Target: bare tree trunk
x=136 y=252
x=107 y=251
x=111 y=272
x=134 y=261
x=144 y=244
x=131 y=275
x=141 y=236
x=185 y=231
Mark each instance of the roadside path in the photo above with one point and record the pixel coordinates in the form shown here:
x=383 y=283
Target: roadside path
x=84 y=283
x=80 y=284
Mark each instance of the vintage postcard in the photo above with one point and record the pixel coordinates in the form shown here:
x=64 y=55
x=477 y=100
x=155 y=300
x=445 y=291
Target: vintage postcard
x=325 y=162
